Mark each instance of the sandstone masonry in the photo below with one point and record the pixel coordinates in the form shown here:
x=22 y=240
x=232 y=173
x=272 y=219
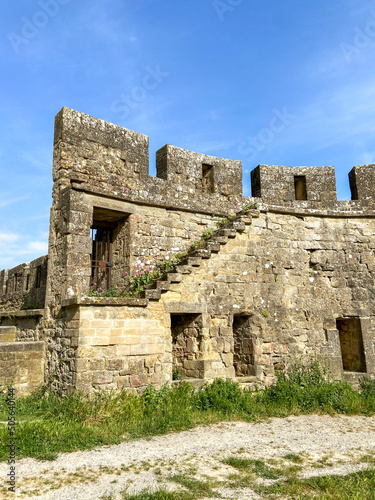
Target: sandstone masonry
x=291 y=279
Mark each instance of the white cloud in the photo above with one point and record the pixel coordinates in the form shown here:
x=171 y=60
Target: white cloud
x=4 y=203
x=17 y=249
x=39 y=246
x=6 y=238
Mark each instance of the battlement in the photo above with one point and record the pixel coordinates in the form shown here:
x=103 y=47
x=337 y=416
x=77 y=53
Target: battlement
x=102 y=158
x=285 y=184
x=108 y=159
x=282 y=185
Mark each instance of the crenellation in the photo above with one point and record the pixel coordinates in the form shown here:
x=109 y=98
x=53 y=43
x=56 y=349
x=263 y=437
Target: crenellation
x=286 y=185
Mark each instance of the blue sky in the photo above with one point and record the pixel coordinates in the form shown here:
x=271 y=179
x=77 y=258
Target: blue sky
x=283 y=82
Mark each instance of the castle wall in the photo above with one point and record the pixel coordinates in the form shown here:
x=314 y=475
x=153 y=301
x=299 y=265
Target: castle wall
x=275 y=293
x=293 y=280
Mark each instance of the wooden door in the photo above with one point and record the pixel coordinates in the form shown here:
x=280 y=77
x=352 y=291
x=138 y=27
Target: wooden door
x=101 y=263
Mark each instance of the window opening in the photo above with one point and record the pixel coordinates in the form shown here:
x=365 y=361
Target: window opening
x=208 y=185
x=300 y=187
x=38 y=276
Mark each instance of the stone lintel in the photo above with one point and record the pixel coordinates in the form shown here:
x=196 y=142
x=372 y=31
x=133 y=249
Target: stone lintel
x=185 y=307
x=27 y=313
x=104 y=301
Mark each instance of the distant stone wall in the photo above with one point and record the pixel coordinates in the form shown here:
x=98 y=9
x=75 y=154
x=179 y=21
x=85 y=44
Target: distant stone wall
x=24 y=286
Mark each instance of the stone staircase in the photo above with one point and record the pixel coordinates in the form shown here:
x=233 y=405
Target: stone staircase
x=195 y=257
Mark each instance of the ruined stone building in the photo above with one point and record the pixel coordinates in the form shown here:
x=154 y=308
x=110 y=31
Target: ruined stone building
x=290 y=278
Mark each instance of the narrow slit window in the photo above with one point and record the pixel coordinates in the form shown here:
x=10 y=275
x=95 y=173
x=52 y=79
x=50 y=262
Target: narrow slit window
x=208 y=185
x=38 y=277
x=300 y=187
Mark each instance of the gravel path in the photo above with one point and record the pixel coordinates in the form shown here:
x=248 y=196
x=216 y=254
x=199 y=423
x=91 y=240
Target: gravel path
x=334 y=445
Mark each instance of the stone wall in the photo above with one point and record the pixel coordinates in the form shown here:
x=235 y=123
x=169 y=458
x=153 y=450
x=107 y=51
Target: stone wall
x=28 y=324
x=110 y=343
x=22 y=366
x=24 y=286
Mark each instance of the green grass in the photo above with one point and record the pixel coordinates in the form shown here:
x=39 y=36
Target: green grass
x=161 y=495
x=257 y=467
x=197 y=488
x=48 y=424
x=293 y=457
x=357 y=486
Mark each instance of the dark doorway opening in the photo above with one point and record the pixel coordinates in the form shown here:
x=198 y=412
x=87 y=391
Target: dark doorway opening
x=244 y=344
x=351 y=342
x=186 y=342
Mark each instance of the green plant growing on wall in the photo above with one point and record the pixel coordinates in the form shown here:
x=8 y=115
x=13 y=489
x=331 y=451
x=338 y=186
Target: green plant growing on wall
x=147 y=274
x=207 y=234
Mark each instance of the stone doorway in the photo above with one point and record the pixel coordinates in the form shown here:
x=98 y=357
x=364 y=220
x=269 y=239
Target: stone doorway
x=110 y=249
x=244 y=347
x=351 y=342
x=186 y=341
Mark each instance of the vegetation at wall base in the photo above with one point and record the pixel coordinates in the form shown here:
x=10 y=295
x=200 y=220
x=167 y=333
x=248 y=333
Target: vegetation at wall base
x=48 y=423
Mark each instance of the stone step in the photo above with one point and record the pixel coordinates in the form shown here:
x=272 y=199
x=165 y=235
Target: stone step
x=152 y=294
x=183 y=269
x=247 y=219
x=222 y=240
x=8 y=333
x=213 y=247
x=164 y=285
x=194 y=261
x=239 y=226
x=246 y=379
x=174 y=277
x=228 y=232
x=204 y=253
